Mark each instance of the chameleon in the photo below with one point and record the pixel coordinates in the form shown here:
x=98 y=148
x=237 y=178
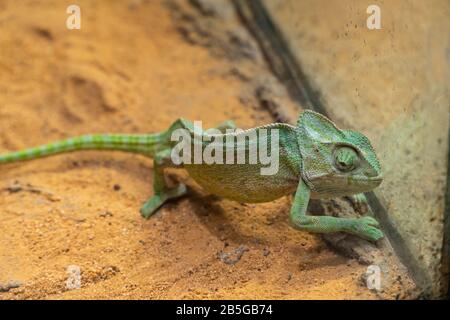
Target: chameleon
x=316 y=160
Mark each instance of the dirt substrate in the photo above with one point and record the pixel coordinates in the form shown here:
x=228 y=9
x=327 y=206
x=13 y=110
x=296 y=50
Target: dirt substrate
x=132 y=68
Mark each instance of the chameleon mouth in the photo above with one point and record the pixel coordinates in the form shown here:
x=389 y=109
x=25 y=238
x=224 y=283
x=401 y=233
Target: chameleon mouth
x=372 y=180
x=378 y=179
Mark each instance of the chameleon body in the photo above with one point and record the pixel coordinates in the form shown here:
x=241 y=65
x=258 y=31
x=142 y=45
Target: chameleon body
x=316 y=160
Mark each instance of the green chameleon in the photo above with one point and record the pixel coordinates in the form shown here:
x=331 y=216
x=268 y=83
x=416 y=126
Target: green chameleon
x=316 y=160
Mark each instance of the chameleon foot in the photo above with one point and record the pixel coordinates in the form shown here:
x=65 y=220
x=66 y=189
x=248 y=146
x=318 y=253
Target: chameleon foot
x=150 y=207
x=366 y=228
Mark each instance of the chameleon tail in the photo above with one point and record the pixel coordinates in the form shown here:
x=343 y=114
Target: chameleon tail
x=147 y=144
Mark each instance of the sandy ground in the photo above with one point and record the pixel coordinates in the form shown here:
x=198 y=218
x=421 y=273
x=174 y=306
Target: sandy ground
x=129 y=69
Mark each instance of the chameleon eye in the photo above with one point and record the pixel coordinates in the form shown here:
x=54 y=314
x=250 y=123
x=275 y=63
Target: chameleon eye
x=345 y=159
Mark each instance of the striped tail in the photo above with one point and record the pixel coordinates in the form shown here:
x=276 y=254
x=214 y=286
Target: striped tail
x=147 y=144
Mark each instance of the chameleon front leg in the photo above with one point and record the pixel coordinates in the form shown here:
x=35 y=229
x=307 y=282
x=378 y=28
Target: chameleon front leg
x=365 y=227
x=162 y=193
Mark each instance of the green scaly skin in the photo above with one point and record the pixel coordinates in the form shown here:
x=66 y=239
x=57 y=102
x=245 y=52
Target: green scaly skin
x=316 y=160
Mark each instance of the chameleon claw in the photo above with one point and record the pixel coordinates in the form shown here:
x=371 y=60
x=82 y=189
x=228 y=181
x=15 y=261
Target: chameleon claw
x=366 y=227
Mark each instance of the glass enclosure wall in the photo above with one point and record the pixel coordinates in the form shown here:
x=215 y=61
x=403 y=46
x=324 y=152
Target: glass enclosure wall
x=384 y=70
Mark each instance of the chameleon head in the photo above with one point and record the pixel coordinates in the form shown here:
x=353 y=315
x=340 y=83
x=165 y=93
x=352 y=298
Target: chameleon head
x=335 y=162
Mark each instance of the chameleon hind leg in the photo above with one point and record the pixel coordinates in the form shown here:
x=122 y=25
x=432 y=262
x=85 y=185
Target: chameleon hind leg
x=365 y=227
x=162 y=160
x=188 y=125
x=229 y=124
x=162 y=192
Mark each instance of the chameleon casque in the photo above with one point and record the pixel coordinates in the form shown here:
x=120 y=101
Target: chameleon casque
x=316 y=160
